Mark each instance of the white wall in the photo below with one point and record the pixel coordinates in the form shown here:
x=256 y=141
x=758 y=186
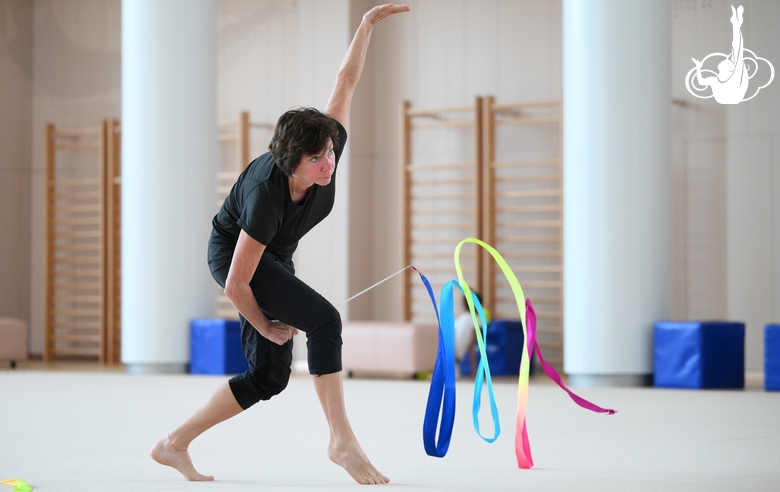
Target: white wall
x=322 y=258
x=752 y=194
x=76 y=83
x=444 y=53
x=275 y=54
x=727 y=172
x=361 y=162
x=15 y=114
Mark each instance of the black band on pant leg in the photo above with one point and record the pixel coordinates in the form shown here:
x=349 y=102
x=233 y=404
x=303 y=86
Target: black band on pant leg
x=270 y=366
x=259 y=384
x=324 y=344
x=243 y=391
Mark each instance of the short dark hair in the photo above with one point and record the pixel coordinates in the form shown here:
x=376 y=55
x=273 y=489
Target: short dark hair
x=301 y=131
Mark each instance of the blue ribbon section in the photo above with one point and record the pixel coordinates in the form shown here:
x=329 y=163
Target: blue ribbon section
x=442 y=387
x=442 y=391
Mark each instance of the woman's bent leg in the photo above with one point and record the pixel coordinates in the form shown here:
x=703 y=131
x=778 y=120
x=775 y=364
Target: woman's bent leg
x=283 y=296
x=172 y=449
x=292 y=301
x=344 y=449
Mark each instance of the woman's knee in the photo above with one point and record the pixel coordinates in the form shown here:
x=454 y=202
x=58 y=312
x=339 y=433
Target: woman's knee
x=327 y=326
x=269 y=385
x=254 y=386
x=324 y=346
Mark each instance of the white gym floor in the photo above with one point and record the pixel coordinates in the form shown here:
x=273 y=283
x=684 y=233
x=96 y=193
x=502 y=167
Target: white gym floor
x=91 y=431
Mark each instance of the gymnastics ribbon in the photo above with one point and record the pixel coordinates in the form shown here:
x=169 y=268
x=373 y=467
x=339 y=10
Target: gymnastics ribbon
x=528 y=318
x=18 y=484
x=443 y=379
x=482 y=375
x=442 y=391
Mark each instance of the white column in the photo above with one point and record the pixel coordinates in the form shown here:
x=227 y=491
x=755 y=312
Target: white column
x=169 y=153
x=617 y=186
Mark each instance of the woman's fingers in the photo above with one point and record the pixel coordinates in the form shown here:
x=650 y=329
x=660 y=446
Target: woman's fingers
x=288 y=332
x=280 y=332
x=380 y=12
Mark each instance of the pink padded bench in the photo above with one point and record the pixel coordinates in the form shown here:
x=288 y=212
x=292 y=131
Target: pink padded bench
x=13 y=340
x=388 y=347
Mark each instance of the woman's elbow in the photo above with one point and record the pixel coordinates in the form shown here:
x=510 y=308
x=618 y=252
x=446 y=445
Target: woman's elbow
x=232 y=290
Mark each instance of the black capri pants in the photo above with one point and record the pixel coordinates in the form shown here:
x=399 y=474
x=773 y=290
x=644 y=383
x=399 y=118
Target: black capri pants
x=284 y=297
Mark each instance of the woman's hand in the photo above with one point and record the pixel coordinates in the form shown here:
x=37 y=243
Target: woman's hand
x=373 y=16
x=352 y=66
x=278 y=332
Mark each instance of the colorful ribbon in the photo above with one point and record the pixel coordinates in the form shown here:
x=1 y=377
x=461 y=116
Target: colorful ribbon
x=442 y=391
x=18 y=484
x=483 y=369
x=443 y=382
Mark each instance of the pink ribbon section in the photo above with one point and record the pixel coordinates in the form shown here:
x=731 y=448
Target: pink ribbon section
x=522 y=444
x=550 y=370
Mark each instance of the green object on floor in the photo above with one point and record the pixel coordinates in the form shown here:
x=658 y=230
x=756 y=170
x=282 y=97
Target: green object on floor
x=19 y=484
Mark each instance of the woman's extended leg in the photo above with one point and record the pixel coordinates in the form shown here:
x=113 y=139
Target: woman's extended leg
x=172 y=449
x=343 y=448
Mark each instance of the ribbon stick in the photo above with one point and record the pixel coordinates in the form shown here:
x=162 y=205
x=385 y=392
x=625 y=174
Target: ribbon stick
x=522 y=443
x=18 y=484
x=375 y=285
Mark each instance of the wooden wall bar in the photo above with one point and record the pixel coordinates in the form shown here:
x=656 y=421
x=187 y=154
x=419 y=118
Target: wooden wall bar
x=524 y=213
x=77 y=235
x=514 y=202
x=442 y=199
x=83 y=235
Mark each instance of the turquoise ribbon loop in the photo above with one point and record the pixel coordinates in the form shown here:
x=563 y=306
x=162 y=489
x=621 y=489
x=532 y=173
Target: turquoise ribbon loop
x=482 y=375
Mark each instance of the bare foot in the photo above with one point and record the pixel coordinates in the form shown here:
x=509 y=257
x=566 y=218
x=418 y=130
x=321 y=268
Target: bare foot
x=351 y=457
x=164 y=453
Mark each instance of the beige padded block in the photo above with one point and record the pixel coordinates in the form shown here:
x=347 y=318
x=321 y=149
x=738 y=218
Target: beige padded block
x=13 y=339
x=393 y=347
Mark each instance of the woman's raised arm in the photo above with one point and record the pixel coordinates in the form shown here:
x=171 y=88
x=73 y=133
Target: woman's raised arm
x=352 y=66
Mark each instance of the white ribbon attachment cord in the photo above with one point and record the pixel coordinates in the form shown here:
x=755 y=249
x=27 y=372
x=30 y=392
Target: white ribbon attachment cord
x=380 y=282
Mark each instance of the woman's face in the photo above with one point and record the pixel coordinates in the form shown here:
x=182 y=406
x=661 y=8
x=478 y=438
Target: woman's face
x=318 y=168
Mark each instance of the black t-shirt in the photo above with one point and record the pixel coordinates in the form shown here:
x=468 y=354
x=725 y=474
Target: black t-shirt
x=260 y=204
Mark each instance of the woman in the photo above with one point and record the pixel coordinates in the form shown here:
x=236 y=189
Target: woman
x=276 y=200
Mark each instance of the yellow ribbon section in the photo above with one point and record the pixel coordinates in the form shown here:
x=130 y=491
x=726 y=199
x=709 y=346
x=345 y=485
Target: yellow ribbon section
x=18 y=484
x=525 y=362
x=517 y=290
